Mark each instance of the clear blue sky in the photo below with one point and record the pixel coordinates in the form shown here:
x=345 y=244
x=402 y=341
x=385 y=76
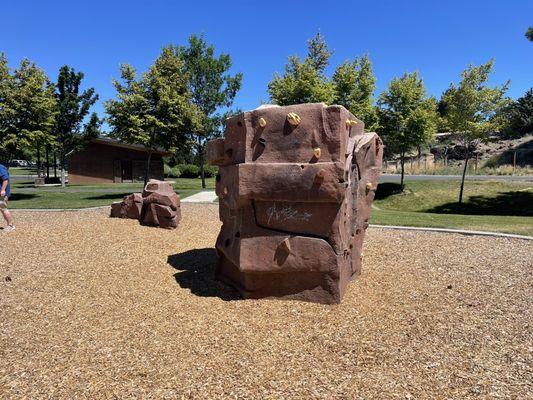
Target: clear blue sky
x=437 y=38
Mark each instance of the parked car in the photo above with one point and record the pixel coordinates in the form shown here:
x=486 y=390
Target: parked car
x=20 y=163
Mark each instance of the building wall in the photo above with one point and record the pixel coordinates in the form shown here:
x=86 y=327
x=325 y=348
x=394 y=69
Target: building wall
x=96 y=164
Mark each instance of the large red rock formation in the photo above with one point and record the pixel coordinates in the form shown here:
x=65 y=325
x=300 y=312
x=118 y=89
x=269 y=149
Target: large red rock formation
x=296 y=185
x=158 y=205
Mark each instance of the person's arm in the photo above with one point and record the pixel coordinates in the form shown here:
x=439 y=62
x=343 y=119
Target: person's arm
x=4 y=187
x=5 y=182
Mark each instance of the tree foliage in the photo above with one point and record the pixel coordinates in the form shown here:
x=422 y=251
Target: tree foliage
x=27 y=109
x=211 y=88
x=407 y=116
x=304 y=81
x=518 y=116
x=355 y=84
x=529 y=33
x=470 y=108
x=73 y=106
x=153 y=109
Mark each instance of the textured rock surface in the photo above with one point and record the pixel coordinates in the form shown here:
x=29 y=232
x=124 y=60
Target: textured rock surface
x=129 y=207
x=158 y=205
x=296 y=185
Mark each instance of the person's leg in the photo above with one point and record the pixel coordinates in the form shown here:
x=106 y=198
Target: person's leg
x=5 y=212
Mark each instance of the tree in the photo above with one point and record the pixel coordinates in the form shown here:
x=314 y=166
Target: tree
x=318 y=53
x=354 y=84
x=27 y=108
x=408 y=117
x=212 y=90
x=529 y=34
x=155 y=108
x=518 y=116
x=304 y=81
x=73 y=107
x=470 y=108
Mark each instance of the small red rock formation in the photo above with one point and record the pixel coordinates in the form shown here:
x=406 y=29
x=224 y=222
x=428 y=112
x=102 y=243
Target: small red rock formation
x=158 y=205
x=296 y=185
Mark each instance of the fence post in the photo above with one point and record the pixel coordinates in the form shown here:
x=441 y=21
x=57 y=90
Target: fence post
x=475 y=165
x=514 y=161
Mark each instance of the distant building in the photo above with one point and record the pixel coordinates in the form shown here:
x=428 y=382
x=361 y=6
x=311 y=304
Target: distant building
x=106 y=160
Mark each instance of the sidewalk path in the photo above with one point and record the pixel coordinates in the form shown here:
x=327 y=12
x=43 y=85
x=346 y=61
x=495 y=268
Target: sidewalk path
x=207 y=196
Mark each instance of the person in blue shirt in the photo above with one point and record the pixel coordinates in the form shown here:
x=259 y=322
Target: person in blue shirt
x=5 y=192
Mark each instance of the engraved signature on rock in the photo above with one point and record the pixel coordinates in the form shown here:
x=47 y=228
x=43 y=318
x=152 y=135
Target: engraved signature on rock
x=285 y=213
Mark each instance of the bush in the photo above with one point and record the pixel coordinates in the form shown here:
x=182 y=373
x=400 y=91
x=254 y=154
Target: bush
x=210 y=171
x=171 y=172
x=188 y=171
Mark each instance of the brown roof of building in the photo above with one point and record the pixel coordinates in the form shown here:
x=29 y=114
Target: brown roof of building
x=117 y=143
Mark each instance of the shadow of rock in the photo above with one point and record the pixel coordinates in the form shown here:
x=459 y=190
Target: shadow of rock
x=197 y=274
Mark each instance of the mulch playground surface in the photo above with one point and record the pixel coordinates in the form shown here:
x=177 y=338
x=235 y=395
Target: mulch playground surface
x=94 y=307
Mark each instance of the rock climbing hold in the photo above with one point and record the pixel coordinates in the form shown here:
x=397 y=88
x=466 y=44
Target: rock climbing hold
x=225 y=191
x=293 y=118
x=317 y=152
x=285 y=245
x=262 y=122
x=351 y=122
x=369 y=186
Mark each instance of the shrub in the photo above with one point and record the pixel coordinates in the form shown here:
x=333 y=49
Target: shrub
x=171 y=172
x=189 y=171
x=210 y=171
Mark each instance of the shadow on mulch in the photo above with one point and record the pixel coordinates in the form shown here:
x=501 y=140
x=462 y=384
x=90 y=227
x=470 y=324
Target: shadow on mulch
x=197 y=273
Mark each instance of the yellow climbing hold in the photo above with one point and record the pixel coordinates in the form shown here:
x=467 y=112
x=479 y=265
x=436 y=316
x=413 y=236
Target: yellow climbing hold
x=351 y=122
x=317 y=152
x=369 y=186
x=293 y=118
x=262 y=122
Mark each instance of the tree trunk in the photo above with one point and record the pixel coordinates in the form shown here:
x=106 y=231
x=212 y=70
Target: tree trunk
x=147 y=169
x=47 y=162
x=55 y=165
x=63 y=175
x=38 y=161
x=464 y=174
x=402 y=161
x=202 y=172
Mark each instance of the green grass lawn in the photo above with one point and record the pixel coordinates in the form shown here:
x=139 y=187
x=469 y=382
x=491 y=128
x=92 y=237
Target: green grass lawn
x=22 y=171
x=487 y=205
x=25 y=195
x=492 y=223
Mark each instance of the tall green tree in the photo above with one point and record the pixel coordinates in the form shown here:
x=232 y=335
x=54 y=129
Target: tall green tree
x=212 y=90
x=518 y=116
x=27 y=109
x=529 y=33
x=153 y=109
x=408 y=117
x=304 y=81
x=355 y=83
x=470 y=109
x=73 y=106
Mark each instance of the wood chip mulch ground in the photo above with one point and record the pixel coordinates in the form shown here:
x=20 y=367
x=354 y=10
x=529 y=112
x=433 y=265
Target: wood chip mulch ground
x=93 y=307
